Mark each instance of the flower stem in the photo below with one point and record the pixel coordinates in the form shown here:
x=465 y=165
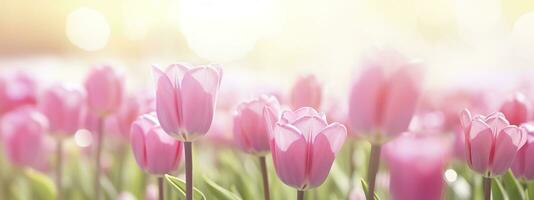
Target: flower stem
x=59 y=169
x=99 y=145
x=265 y=176
x=300 y=195
x=188 y=170
x=351 y=166
x=374 y=163
x=486 y=182
x=161 y=194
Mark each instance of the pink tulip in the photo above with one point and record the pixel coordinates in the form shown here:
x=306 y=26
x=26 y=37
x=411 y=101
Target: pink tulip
x=155 y=152
x=133 y=106
x=416 y=168
x=491 y=142
x=516 y=109
x=23 y=132
x=383 y=100
x=62 y=105
x=105 y=90
x=185 y=99
x=250 y=127
x=17 y=90
x=307 y=92
x=304 y=146
x=523 y=165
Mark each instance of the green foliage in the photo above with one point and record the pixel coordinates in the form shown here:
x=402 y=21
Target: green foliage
x=218 y=192
x=42 y=187
x=512 y=186
x=179 y=186
x=497 y=190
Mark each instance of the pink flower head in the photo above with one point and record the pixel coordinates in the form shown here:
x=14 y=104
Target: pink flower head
x=250 y=127
x=17 y=90
x=307 y=92
x=23 y=132
x=63 y=105
x=383 y=100
x=491 y=142
x=133 y=106
x=105 y=90
x=304 y=146
x=416 y=165
x=185 y=99
x=516 y=109
x=154 y=151
x=523 y=165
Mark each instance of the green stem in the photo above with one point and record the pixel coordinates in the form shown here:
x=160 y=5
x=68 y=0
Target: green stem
x=374 y=163
x=161 y=194
x=351 y=166
x=59 y=169
x=263 y=166
x=99 y=133
x=530 y=190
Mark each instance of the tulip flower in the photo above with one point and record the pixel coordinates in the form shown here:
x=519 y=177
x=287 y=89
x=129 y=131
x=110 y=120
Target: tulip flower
x=105 y=91
x=251 y=130
x=17 y=90
x=382 y=103
x=307 y=92
x=523 y=165
x=417 y=166
x=516 y=109
x=185 y=103
x=491 y=144
x=155 y=152
x=62 y=105
x=23 y=134
x=304 y=147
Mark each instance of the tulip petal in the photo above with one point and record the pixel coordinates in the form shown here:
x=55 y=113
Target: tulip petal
x=509 y=140
x=168 y=104
x=137 y=140
x=529 y=160
x=465 y=118
x=310 y=126
x=162 y=151
x=481 y=144
x=497 y=121
x=198 y=90
x=321 y=160
x=364 y=95
x=291 y=116
x=285 y=135
x=289 y=151
x=176 y=73
x=336 y=134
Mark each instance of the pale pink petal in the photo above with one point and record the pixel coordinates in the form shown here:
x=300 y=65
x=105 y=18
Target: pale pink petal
x=481 y=144
x=310 y=126
x=465 y=118
x=289 y=150
x=336 y=134
x=321 y=159
x=364 y=100
x=198 y=102
x=168 y=104
x=508 y=141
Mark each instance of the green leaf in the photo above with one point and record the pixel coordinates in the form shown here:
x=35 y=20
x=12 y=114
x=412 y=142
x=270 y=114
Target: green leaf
x=497 y=190
x=218 y=192
x=512 y=186
x=42 y=186
x=179 y=185
x=366 y=189
x=530 y=190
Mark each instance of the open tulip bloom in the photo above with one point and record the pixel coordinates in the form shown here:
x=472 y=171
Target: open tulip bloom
x=304 y=146
x=185 y=103
x=491 y=144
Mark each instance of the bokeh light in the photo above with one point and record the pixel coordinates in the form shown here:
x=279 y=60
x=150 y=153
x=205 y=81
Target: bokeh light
x=88 y=29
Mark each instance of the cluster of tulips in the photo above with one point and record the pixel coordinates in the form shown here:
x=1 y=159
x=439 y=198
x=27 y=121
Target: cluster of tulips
x=416 y=134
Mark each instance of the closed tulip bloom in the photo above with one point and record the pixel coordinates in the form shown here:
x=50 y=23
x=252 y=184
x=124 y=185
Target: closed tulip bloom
x=304 y=147
x=491 y=142
x=133 y=106
x=417 y=166
x=105 y=90
x=17 y=90
x=307 y=92
x=185 y=99
x=516 y=109
x=62 y=105
x=23 y=132
x=383 y=100
x=250 y=127
x=155 y=152
x=523 y=165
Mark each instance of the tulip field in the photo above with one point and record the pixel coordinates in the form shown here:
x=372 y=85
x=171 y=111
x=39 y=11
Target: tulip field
x=267 y=100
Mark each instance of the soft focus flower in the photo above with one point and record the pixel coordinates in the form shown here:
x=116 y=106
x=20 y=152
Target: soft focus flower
x=251 y=131
x=491 y=142
x=523 y=165
x=105 y=90
x=307 y=92
x=417 y=166
x=154 y=151
x=16 y=90
x=23 y=132
x=383 y=100
x=304 y=147
x=133 y=106
x=62 y=105
x=185 y=99
x=516 y=109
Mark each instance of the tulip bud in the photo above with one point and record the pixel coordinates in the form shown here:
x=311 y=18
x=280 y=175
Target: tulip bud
x=62 y=105
x=516 y=109
x=306 y=93
x=105 y=90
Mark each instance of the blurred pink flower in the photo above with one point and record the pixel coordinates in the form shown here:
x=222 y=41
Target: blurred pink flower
x=155 y=152
x=23 y=134
x=17 y=90
x=417 y=163
x=382 y=101
x=62 y=105
x=251 y=131
x=523 y=165
x=133 y=106
x=516 y=109
x=307 y=92
x=105 y=90
x=304 y=147
x=491 y=142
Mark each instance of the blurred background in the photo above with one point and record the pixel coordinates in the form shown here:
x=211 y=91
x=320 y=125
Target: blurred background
x=267 y=39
